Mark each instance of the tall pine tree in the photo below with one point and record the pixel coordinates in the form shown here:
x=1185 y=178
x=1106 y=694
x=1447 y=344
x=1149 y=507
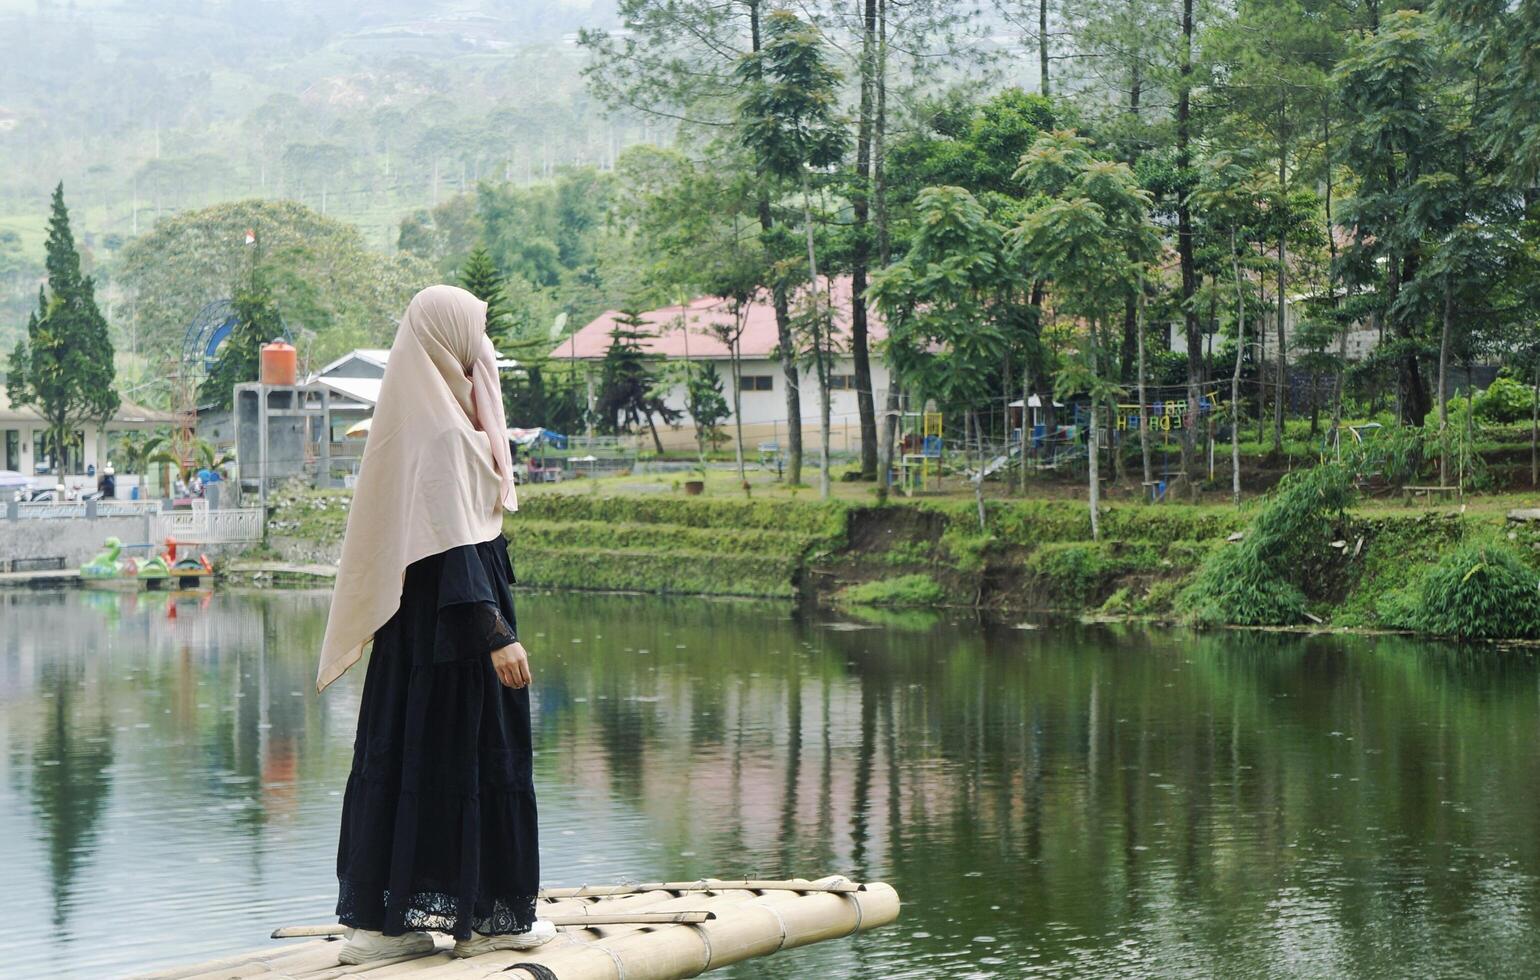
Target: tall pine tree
x=628 y=395
x=480 y=278
x=63 y=367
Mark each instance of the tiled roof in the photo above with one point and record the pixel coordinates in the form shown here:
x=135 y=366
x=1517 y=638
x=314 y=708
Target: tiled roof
x=671 y=337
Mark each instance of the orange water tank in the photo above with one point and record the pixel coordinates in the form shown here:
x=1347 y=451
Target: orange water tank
x=279 y=364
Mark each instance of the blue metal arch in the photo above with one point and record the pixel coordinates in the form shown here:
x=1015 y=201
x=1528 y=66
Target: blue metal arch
x=209 y=328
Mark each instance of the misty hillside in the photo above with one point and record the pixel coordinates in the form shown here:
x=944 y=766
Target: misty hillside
x=361 y=110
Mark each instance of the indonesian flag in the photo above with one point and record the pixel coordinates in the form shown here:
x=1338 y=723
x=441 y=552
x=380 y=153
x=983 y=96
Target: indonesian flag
x=251 y=236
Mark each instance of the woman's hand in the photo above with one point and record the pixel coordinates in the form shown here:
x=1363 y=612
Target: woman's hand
x=512 y=665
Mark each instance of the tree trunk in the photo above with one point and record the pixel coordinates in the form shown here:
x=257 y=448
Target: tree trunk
x=1144 y=421
x=1411 y=394
x=737 y=366
x=1468 y=447
x=1035 y=300
x=1443 y=395
x=1092 y=464
x=784 y=340
x=821 y=329
x=1283 y=345
x=1130 y=314
x=1042 y=57
x=889 y=429
x=879 y=143
x=978 y=473
x=1534 y=430
x=1026 y=419
x=1129 y=352
x=861 y=246
x=1235 y=379
x=788 y=351
x=1184 y=246
x=1331 y=285
x=653 y=427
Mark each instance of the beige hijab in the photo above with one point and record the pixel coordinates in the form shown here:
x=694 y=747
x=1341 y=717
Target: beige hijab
x=436 y=472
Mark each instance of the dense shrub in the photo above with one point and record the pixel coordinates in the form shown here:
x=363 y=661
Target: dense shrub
x=1505 y=400
x=1476 y=591
x=1260 y=580
x=1239 y=586
x=1073 y=571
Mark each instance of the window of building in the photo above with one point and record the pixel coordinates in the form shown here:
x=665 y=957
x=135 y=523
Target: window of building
x=758 y=382
x=72 y=462
x=12 y=449
x=842 y=382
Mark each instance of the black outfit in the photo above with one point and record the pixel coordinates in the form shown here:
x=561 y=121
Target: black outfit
x=438 y=823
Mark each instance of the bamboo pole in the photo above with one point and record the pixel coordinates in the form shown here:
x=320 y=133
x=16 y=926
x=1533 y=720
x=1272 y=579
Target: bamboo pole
x=840 y=885
x=234 y=962
x=580 y=921
x=637 y=935
x=574 y=952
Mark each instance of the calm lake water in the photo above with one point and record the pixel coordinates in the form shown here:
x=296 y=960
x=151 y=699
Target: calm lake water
x=1087 y=802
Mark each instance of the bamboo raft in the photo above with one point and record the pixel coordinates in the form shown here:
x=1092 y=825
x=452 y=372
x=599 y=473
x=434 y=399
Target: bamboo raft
x=652 y=931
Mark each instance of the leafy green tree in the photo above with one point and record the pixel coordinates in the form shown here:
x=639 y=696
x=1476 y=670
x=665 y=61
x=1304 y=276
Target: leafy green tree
x=788 y=121
x=1388 y=84
x=683 y=61
x=1094 y=244
x=974 y=146
x=335 y=292
x=1272 y=62
x=1501 y=40
x=705 y=403
x=628 y=395
x=63 y=367
x=1230 y=195
x=697 y=227
x=946 y=303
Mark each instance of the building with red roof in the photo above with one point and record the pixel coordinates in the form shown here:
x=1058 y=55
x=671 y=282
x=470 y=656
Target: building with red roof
x=691 y=331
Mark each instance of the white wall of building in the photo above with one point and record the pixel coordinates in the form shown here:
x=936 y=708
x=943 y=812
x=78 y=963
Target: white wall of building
x=764 y=410
x=1360 y=340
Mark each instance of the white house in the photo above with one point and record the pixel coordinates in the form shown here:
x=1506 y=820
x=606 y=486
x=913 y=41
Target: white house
x=355 y=379
x=687 y=333
x=23 y=436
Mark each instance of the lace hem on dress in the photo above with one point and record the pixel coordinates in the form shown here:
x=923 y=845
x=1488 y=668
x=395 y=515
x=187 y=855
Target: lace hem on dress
x=369 y=907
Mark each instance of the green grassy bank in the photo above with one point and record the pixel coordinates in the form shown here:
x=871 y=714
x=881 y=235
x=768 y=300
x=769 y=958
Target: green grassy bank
x=1031 y=554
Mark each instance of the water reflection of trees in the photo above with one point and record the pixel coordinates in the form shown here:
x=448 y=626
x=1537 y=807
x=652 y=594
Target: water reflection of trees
x=70 y=780
x=1111 y=776
x=188 y=713
x=1205 y=791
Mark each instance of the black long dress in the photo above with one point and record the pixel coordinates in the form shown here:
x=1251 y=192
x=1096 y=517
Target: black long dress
x=438 y=822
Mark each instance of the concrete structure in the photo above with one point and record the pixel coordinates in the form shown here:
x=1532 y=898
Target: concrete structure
x=282 y=432
x=23 y=433
x=75 y=531
x=687 y=333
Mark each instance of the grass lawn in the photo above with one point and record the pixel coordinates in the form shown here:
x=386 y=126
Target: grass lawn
x=763 y=485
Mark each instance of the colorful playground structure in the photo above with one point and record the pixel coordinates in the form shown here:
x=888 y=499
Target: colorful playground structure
x=1044 y=440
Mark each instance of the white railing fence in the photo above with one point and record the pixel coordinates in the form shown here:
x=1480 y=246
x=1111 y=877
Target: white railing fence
x=210 y=526
x=126 y=508
x=46 y=511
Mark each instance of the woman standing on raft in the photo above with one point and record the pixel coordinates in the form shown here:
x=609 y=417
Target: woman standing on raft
x=438 y=822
